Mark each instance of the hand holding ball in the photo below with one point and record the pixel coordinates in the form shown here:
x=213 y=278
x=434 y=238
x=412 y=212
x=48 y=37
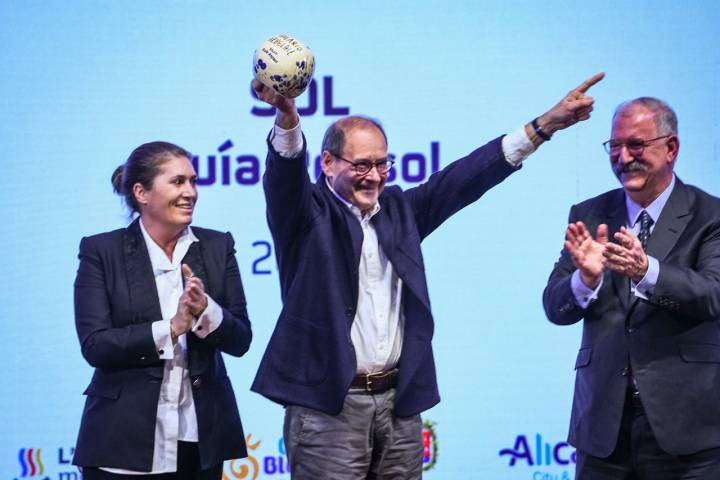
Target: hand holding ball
x=285 y=65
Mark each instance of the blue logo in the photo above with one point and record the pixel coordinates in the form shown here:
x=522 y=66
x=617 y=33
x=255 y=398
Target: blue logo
x=542 y=453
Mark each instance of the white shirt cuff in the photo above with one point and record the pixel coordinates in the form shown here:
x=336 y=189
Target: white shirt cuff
x=517 y=147
x=163 y=339
x=287 y=143
x=644 y=288
x=209 y=320
x=584 y=295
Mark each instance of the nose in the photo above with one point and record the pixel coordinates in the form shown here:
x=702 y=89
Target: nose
x=624 y=156
x=189 y=190
x=373 y=175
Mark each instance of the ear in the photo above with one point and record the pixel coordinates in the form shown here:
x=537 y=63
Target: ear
x=327 y=163
x=673 y=145
x=140 y=194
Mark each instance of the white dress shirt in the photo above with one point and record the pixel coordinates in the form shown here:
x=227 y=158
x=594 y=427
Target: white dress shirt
x=377 y=329
x=176 y=420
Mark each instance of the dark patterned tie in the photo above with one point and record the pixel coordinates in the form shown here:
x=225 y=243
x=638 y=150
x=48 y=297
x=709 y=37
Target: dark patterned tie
x=645 y=222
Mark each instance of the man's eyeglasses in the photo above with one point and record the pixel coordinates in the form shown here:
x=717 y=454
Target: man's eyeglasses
x=363 y=167
x=635 y=146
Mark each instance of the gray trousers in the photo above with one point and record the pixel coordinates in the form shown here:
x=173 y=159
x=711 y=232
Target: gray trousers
x=364 y=441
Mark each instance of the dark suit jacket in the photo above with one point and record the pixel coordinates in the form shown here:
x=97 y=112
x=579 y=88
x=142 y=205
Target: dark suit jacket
x=672 y=340
x=310 y=360
x=116 y=301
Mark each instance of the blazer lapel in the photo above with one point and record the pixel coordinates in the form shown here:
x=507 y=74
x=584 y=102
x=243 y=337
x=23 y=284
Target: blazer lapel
x=672 y=222
x=352 y=235
x=409 y=271
x=144 y=300
x=194 y=259
x=668 y=228
x=617 y=217
x=197 y=360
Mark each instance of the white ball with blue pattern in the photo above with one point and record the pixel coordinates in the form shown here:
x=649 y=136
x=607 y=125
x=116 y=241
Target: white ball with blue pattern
x=284 y=64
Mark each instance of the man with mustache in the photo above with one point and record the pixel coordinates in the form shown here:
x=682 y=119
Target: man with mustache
x=646 y=402
x=351 y=355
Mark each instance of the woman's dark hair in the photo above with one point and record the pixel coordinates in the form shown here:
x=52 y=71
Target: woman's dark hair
x=142 y=166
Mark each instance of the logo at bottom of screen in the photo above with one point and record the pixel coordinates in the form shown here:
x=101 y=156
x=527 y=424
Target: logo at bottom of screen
x=34 y=464
x=544 y=460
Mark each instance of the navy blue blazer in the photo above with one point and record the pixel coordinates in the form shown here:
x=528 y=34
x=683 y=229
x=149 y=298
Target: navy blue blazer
x=116 y=301
x=310 y=360
x=672 y=340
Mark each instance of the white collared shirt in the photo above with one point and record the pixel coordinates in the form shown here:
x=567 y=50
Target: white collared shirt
x=176 y=418
x=377 y=329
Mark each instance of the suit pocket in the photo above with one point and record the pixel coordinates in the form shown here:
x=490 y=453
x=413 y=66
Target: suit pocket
x=583 y=357
x=299 y=351
x=109 y=391
x=700 y=352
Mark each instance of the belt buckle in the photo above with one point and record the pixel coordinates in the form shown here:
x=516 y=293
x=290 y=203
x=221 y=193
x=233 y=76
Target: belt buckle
x=369 y=377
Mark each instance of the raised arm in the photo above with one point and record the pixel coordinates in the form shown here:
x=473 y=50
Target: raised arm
x=464 y=181
x=286 y=182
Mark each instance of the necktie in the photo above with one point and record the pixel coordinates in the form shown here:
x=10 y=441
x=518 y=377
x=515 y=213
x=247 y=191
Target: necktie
x=645 y=222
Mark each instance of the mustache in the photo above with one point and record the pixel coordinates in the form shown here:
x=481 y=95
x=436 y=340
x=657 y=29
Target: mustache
x=634 y=166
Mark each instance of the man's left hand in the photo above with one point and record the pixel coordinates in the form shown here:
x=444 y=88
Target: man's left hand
x=626 y=257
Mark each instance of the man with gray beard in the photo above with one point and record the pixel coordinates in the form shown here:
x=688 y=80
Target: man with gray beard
x=647 y=288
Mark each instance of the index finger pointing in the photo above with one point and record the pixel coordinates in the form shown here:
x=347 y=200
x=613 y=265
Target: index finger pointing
x=585 y=86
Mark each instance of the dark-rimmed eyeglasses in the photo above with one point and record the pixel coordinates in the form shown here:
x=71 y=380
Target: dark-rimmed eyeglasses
x=363 y=167
x=635 y=146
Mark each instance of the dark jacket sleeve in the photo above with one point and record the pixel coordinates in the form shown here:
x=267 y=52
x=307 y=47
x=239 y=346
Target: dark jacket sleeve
x=692 y=291
x=558 y=299
x=288 y=194
x=458 y=185
x=105 y=343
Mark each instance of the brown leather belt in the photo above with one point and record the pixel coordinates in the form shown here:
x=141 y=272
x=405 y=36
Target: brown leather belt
x=376 y=382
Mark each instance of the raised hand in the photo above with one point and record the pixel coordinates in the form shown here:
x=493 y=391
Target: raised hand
x=574 y=107
x=194 y=292
x=182 y=322
x=626 y=257
x=587 y=254
x=287 y=116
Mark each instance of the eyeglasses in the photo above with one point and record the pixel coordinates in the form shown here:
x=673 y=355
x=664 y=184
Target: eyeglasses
x=363 y=167
x=635 y=146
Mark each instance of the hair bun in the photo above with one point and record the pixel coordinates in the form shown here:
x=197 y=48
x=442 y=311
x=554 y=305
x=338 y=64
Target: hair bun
x=116 y=179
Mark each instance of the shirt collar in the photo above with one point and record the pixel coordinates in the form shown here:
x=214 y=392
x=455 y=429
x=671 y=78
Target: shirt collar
x=159 y=261
x=654 y=209
x=355 y=210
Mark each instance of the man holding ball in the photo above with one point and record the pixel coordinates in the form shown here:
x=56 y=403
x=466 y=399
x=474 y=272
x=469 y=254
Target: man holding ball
x=351 y=356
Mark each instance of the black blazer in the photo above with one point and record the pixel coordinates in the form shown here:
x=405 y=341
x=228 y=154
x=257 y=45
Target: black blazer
x=310 y=360
x=116 y=301
x=672 y=340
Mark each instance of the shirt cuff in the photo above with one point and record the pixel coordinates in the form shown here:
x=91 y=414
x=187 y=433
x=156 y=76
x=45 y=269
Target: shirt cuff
x=644 y=288
x=288 y=143
x=162 y=336
x=517 y=147
x=209 y=320
x=584 y=295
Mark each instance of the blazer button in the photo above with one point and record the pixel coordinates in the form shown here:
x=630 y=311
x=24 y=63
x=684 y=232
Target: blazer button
x=197 y=382
x=630 y=330
x=625 y=372
x=142 y=359
x=349 y=312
